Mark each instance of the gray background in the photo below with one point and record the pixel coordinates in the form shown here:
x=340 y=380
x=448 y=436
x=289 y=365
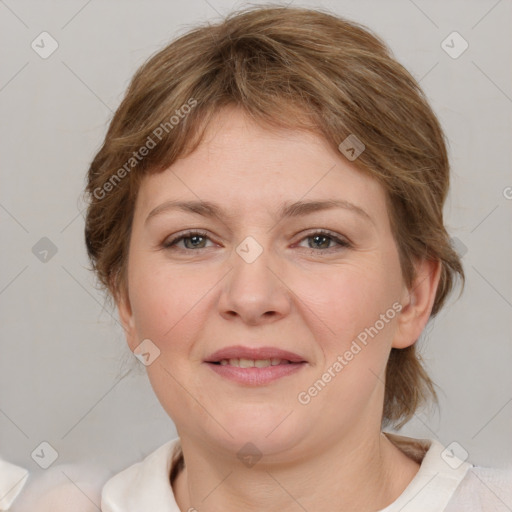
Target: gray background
x=66 y=374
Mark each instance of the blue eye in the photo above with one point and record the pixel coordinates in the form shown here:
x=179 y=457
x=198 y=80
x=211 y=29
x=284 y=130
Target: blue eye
x=195 y=240
x=320 y=237
x=193 y=236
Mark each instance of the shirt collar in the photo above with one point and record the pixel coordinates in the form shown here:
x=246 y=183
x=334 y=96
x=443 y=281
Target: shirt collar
x=440 y=473
x=146 y=485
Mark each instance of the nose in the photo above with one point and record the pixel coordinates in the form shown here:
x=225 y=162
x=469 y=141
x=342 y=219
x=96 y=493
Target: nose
x=254 y=291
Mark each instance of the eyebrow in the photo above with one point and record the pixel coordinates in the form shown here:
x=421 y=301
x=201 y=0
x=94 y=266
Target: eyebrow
x=288 y=210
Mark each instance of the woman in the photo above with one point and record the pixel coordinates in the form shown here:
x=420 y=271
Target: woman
x=267 y=213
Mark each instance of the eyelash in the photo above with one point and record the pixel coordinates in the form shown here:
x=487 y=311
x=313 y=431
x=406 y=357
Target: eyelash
x=343 y=244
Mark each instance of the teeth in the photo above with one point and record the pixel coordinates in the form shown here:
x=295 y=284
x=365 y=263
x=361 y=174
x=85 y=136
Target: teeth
x=249 y=363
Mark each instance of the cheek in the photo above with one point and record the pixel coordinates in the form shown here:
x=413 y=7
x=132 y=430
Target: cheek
x=332 y=305
x=353 y=324
x=168 y=307
x=337 y=301
x=351 y=298
x=164 y=299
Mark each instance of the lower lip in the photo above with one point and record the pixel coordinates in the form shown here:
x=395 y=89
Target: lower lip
x=256 y=376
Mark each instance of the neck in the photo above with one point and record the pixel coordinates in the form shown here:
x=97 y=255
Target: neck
x=359 y=472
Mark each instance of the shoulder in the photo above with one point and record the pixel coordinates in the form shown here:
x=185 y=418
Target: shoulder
x=448 y=483
x=63 y=488
x=12 y=480
x=483 y=488
x=90 y=488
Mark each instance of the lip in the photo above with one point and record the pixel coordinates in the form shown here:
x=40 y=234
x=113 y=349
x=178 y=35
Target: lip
x=255 y=376
x=239 y=351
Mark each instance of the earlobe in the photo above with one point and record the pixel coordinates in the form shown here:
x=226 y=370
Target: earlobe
x=417 y=303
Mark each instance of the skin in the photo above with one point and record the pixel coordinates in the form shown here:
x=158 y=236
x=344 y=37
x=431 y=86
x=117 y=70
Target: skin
x=310 y=296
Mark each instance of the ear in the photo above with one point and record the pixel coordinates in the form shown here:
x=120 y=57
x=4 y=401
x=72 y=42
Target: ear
x=127 y=319
x=417 y=303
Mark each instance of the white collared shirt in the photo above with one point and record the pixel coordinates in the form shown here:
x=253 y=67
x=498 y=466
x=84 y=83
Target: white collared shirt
x=12 y=480
x=442 y=483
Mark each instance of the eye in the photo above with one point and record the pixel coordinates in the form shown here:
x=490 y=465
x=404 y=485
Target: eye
x=191 y=239
x=322 y=239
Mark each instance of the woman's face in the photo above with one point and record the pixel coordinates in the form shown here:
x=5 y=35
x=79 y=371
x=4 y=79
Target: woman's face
x=254 y=278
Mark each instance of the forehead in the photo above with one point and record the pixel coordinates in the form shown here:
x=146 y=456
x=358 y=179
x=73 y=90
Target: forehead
x=250 y=169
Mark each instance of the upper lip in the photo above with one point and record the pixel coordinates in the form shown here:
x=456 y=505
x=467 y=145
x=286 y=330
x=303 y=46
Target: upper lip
x=241 y=352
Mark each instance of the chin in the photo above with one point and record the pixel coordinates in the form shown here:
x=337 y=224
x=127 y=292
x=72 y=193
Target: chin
x=266 y=431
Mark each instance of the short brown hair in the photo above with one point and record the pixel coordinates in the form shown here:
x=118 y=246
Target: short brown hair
x=292 y=68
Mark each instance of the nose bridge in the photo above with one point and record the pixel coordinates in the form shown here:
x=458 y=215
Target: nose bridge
x=253 y=289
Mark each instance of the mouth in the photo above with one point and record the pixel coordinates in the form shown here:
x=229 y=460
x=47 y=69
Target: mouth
x=254 y=367
x=240 y=355
x=253 y=363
